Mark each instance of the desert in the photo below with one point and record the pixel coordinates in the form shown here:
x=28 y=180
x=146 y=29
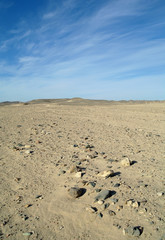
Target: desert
x=82 y=169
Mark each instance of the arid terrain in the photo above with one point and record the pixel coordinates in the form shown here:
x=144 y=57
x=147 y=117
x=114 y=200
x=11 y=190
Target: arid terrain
x=77 y=169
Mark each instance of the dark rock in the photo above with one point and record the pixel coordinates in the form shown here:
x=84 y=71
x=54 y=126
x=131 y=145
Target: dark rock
x=133 y=231
x=104 y=194
x=117 y=185
x=111 y=213
x=98 y=190
x=93 y=184
x=76 y=192
x=100 y=215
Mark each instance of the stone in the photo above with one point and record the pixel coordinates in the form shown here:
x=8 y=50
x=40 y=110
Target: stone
x=78 y=174
x=98 y=190
x=91 y=209
x=27 y=146
x=119 y=208
x=74 y=169
x=126 y=162
x=114 y=200
x=100 y=202
x=135 y=204
x=27 y=234
x=160 y=194
x=75 y=145
x=133 y=231
x=107 y=173
x=132 y=203
x=111 y=213
x=62 y=171
x=117 y=185
x=104 y=194
x=92 y=184
x=76 y=192
x=100 y=215
x=39 y=196
x=28 y=151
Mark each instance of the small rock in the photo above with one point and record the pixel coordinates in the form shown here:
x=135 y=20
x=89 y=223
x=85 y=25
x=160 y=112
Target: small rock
x=39 y=196
x=126 y=162
x=100 y=202
x=117 y=185
x=100 y=215
x=28 y=205
x=27 y=146
x=27 y=234
x=106 y=205
x=62 y=171
x=111 y=213
x=98 y=190
x=93 y=184
x=75 y=145
x=91 y=209
x=107 y=173
x=104 y=194
x=78 y=174
x=114 y=200
x=74 y=169
x=160 y=194
x=135 y=204
x=133 y=231
x=76 y=192
x=17 y=179
x=28 y=151
x=119 y=208
x=89 y=146
x=84 y=182
x=132 y=203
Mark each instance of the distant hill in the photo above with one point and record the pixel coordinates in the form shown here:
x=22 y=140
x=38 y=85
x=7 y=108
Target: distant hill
x=77 y=101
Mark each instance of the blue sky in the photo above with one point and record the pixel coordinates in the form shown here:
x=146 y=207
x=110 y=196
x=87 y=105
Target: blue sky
x=96 y=49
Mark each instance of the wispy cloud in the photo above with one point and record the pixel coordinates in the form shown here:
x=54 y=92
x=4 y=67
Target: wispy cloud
x=88 y=52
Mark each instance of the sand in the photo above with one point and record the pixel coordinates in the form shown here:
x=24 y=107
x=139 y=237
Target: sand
x=49 y=147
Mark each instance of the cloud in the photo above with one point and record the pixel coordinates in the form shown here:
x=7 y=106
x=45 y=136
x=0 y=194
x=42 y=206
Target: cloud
x=85 y=53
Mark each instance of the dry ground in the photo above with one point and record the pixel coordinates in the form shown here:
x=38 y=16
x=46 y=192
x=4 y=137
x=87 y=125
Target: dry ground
x=39 y=143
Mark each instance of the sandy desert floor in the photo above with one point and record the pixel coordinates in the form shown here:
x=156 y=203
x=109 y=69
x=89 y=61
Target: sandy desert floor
x=46 y=149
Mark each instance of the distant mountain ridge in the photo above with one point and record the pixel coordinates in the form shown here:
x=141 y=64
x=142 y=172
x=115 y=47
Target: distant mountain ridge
x=78 y=101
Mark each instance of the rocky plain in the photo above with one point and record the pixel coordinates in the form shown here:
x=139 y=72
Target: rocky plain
x=82 y=169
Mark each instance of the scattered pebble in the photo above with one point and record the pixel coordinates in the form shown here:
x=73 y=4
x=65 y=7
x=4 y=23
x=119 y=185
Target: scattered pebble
x=39 y=196
x=104 y=194
x=117 y=185
x=100 y=215
x=28 y=205
x=107 y=173
x=74 y=169
x=27 y=146
x=132 y=203
x=114 y=200
x=76 y=192
x=78 y=174
x=126 y=162
x=91 y=209
x=93 y=184
x=160 y=194
x=133 y=231
x=28 y=151
x=111 y=213
x=100 y=202
x=27 y=233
